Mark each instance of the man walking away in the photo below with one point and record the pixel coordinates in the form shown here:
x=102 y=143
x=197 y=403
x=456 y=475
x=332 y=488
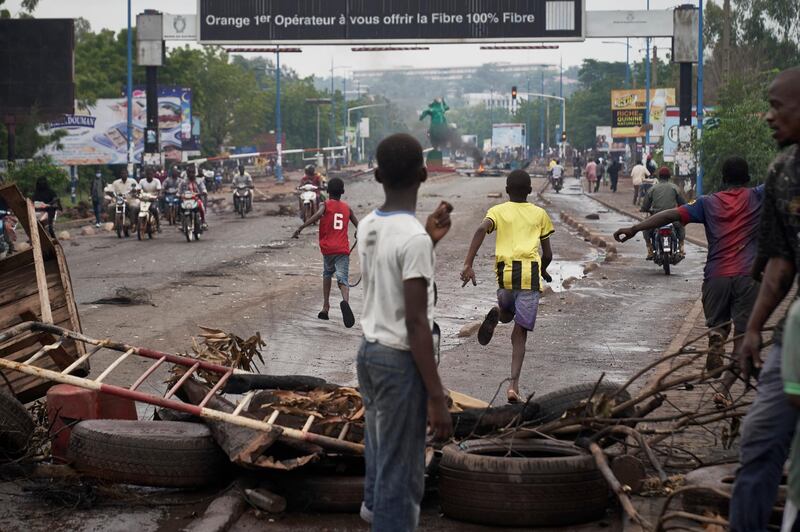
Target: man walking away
x=613 y=173
x=97 y=194
x=769 y=425
x=663 y=196
x=521 y=228
x=397 y=373
x=638 y=175
x=591 y=175
x=601 y=174
x=731 y=220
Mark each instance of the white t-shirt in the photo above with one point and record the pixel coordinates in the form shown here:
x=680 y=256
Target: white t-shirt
x=153 y=187
x=393 y=248
x=558 y=170
x=638 y=174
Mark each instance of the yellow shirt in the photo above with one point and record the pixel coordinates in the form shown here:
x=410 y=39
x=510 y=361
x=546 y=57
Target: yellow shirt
x=520 y=227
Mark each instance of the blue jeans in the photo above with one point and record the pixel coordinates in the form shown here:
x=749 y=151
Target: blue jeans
x=97 y=205
x=766 y=439
x=396 y=414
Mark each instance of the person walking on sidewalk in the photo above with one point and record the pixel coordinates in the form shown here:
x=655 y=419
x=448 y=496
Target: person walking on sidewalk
x=591 y=175
x=397 y=374
x=521 y=228
x=98 y=196
x=613 y=172
x=770 y=423
x=639 y=173
x=730 y=218
x=334 y=218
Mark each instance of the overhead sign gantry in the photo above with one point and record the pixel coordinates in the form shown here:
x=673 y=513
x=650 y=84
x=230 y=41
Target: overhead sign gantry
x=389 y=21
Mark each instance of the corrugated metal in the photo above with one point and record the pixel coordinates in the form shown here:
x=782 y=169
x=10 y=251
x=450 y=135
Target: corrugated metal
x=560 y=15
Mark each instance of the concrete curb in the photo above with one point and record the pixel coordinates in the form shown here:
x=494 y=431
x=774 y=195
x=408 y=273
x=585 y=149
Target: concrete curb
x=641 y=218
x=595 y=239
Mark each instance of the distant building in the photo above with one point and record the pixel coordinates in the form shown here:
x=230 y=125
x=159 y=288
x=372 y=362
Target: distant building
x=454 y=74
x=495 y=100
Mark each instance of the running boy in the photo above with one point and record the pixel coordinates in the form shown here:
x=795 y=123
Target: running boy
x=334 y=218
x=521 y=228
x=397 y=374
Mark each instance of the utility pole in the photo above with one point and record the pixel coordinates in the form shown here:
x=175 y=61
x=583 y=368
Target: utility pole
x=700 y=112
x=278 y=133
x=333 y=110
x=726 y=41
x=129 y=92
x=647 y=94
x=655 y=69
x=541 y=119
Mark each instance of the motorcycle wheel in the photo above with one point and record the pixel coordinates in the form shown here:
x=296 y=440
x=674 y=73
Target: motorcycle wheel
x=242 y=208
x=118 y=222
x=196 y=226
x=150 y=231
x=666 y=267
x=140 y=230
x=126 y=230
x=187 y=231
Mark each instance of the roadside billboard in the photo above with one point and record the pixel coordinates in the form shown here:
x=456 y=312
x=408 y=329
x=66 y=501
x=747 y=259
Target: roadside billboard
x=671 y=128
x=655 y=23
x=603 y=138
x=389 y=21
x=628 y=110
x=508 y=135
x=97 y=134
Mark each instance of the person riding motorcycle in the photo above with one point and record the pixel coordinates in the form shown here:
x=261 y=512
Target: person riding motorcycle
x=151 y=185
x=172 y=181
x=125 y=186
x=557 y=171
x=192 y=184
x=661 y=197
x=312 y=177
x=44 y=194
x=243 y=178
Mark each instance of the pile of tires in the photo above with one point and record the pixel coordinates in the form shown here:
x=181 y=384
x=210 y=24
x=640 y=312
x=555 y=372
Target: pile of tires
x=524 y=483
x=170 y=454
x=16 y=427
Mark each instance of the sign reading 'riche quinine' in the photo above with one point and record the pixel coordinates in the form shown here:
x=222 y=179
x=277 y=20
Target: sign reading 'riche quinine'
x=389 y=21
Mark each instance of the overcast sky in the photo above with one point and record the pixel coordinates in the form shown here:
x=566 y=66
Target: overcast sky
x=316 y=60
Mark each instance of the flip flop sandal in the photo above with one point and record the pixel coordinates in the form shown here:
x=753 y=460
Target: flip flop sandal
x=323 y=315
x=347 y=314
x=486 y=331
x=513 y=397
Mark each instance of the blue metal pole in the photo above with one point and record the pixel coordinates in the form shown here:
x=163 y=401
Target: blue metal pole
x=627 y=63
x=541 y=120
x=700 y=98
x=278 y=133
x=528 y=125
x=333 y=109
x=647 y=93
x=129 y=91
x=344 y=111
x=563 y=103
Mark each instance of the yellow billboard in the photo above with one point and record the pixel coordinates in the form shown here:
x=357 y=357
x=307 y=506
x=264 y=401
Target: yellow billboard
x=627 y=110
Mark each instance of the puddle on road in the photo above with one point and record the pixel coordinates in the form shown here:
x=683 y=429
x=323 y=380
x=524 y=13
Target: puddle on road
x=563 y=270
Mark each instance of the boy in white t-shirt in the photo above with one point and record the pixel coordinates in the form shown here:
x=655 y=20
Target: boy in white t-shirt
x=397 y=373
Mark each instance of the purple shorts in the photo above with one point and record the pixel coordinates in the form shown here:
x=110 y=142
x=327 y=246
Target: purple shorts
x=524 y=304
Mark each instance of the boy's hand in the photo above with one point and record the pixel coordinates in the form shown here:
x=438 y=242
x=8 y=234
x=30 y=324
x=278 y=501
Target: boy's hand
x=296 y=234
x=438 y=223
x=625 y=234
x=441 y=424
x=750 y=355
x=546 y=276
x=467 y=275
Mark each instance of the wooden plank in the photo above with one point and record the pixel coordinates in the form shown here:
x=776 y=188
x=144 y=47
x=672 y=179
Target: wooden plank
x=26 y=289
x=17 y=260
x=66 y=281
x=38 y=263
x=10 y=315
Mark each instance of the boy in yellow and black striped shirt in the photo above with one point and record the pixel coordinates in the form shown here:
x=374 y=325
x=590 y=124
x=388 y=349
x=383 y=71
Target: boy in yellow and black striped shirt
x=522 y=228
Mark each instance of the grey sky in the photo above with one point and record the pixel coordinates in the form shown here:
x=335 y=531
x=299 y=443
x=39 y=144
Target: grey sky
x=316 y=60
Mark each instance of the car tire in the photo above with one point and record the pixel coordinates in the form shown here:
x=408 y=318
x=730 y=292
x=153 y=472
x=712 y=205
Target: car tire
x=16 y=426
x=309 y=492
x=169 y=454
x=551 y=484
x=553 y=405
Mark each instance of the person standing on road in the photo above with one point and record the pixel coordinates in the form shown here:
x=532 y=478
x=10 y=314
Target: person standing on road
x=639 y=173
x=770 y=423
x=96 y=191
x=397 y=374
x=591 y=174
x=522 y=228
x=613 y=173
x=334 y=218
x=731 y=220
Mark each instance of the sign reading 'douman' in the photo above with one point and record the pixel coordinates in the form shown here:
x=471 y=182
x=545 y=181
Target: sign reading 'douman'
x=389 y=21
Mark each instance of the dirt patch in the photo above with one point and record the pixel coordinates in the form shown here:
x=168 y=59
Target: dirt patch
x=127 y=296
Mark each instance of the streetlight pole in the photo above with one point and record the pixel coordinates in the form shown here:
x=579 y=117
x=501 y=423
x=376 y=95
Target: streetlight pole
x=647 y=94
x=528 y=125
x=700 y=98
x=129 y=92
x=541 y=120
x=278 y=133
x=356 y=108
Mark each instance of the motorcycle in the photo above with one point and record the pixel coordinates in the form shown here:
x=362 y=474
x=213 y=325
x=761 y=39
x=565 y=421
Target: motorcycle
x=146 y=224
x=242 y=200
x=665 y=247
x=208 y=177
x=8 y=233
x=172 y=205
x=190 y=214
x=558 y=183
x=121 y=215
x=308 y=197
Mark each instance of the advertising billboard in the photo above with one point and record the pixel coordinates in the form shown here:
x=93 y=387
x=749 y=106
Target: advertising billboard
x=389 y=21
x=97 y=134
x=508 y=135
x=603 y=138
x=628 y=110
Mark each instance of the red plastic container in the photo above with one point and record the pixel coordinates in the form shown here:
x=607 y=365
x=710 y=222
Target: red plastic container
x=67 y=404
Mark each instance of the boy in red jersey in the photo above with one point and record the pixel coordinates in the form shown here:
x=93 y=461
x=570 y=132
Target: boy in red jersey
x=334 y=218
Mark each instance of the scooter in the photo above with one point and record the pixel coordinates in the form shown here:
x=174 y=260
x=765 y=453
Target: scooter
x=146 y=224
x=8 y=233
x=190 y=213
x=242 y=200
x=308 y=197
x=665 y=247
x=172 y=205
